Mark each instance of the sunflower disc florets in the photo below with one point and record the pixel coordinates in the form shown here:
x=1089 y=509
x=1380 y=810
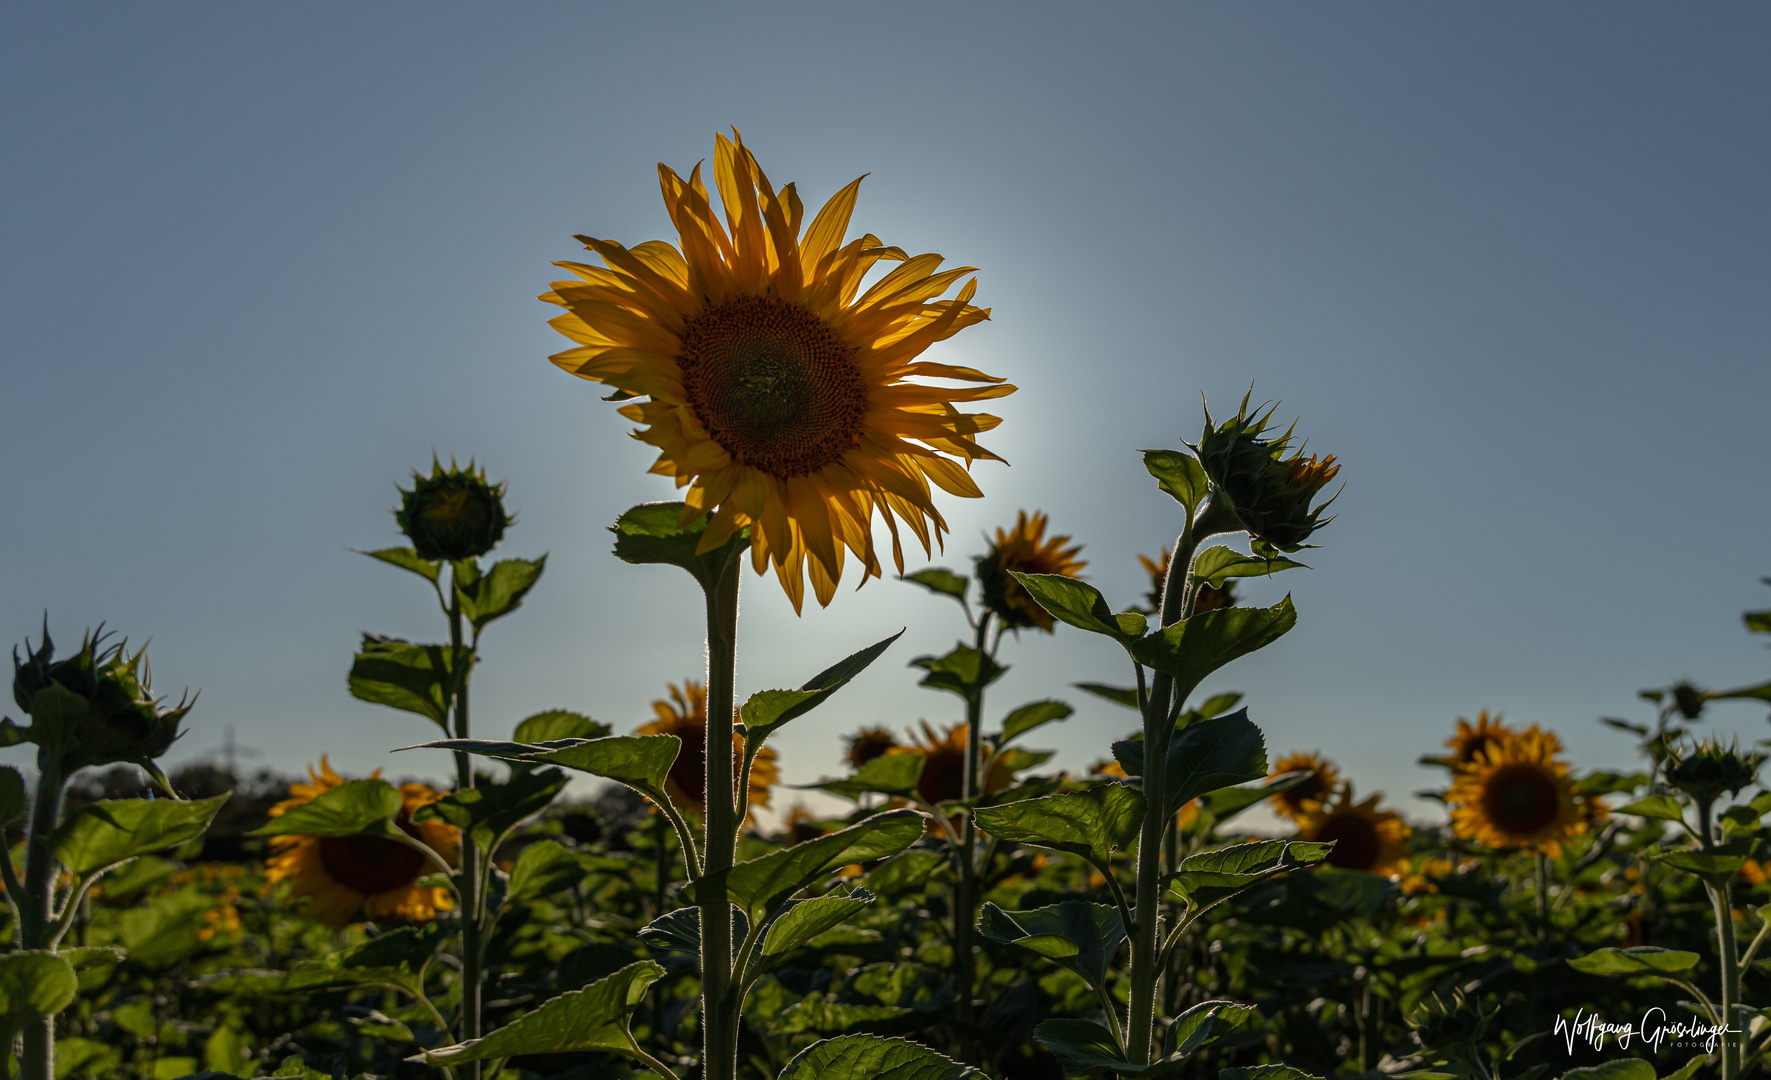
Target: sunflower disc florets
x=453 y=513
x=94 y=707
x=1709 y=769
x=1269 y=493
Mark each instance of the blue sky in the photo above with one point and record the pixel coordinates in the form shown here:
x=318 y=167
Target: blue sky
x=1508 y=262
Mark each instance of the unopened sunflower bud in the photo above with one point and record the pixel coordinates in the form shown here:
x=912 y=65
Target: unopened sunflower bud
x=92 y=708
x=1450 y=1027
x=453 y=513
x=1269 y=493
x=1707 y=770
x=1689 y=700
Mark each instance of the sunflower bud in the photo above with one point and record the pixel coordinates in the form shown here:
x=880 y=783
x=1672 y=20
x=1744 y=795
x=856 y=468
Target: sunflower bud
x=1269 y=493
x=1449 y=1027
x=452 y=514
x=92 y=708
x=1024 y=549
x=1689 y=700
x=1707 y=770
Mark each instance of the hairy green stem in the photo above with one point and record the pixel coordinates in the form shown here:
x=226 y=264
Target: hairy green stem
x=965 y=897
x=467 y=881
x=37 y=914
x=1727 y=948
x=720 y=995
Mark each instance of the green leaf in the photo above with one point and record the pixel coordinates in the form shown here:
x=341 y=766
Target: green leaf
x=500 y=591
x=757 y=885
x=1180 y=475
x=1217 y=705
x=1080 y=936
x=639 y=761
x=1757 y=622
x=1083 y=1046
x=111 y=831
x=964 y=671
x=414 y=678
x=680 y=931
x=1081 y=605
x=544 y=867
x=942 y=581
x=12 y=795
x=1029 y=716
x=1664 y=807
x=766 y=712
x=407 y=559
x=870 y=1057
x=34 y=984
x=1118 y=695
x=1097 y=823
x=1213 y=754
x=1215 y=564
x=352 y=808
x=1269 y=1072
x=395 y=959
x=1716 y=866
x=594 y=1018
x=558 y=724
x=1202 y=1025
x=86 y=1057
x=911 y=872
x=226 y=1053
x=1209 y=878
x=889 y=774
x=1225 y=803
x=1346 y=894
x=1761 y=692
x=649 y=533
x=488 y=813
x=1193 y=648
x=1641 y=960
x=806 y=919
x=1615 y=1069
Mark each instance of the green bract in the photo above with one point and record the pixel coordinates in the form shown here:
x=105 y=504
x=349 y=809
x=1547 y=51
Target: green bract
x=452 y=514
x=92 y=708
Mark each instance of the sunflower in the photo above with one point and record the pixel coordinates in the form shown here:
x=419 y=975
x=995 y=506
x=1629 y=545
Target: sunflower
x=1472 y=740
x=801 y=825
x=685 y=716
x=943 y=765
x=1306 y=799
x=1210 y=598
x=378 y=878
x=1365 y=838
x=869 y=743
x=1515 y=794
x=775 y=390
x=1024 y=549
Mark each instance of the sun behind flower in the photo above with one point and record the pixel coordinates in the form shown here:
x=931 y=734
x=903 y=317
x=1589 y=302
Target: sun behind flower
x=371 y=876
x=775 y=390
x=1365 y=837
x=685 y=716
x=1024 y=549
x=1516 y=794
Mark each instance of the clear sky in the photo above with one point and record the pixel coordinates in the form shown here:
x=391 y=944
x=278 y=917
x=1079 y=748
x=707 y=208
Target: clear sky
x=1510 y=262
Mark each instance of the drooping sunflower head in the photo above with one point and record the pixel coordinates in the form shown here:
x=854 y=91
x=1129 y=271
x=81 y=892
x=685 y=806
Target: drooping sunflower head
x=1517 y=794
x=782 y=395
x=453 y=513
x=1472 y=741
x=345 y=878
x=1307 y=798
x=684 y=714
x=869 y=743
x=1708 y=769
x=112 y=715
x=1365 y=838
x=1024 y=549
x=1269 y=492
x=1210 y=598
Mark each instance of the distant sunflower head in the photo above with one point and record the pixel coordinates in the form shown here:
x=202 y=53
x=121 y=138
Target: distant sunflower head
x=1024 y=549
x=1474 y=740
x=1365 y=838
x=1270 y=492
x=782 y=395
x=943 y=764
x=345 y=878
x=801 y=825
x=684 y=714
x=453 y=513
x=869 y=743
x=1518 y=795
x=1307 y=798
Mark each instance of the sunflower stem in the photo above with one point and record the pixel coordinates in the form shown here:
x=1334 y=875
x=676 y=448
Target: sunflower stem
x=1727 y=948
x=965 y=894
x=467 y=879
x=1141 y=1045
x=720 y=996
x=36 y=914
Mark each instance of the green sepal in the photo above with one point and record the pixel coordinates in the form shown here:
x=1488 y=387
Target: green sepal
x=1082 y=606
x=1075 y=934
x=1097 y=823
x=594 y=1018
x=964 y=671
x=889 y=774
x=499 y=591
x=34 y=984
x=407 y=559
x=651 y=533
x=488 y=814
x=756 y=886
x=1180 y=475
x=413 y=678
x=103 y=834
x=350 y=809
x=1641 y=960
x=1029 y=716
x=768 y=711
x=872 y=1057
x=804 y=920
x=558 y=724
x=1193 y=648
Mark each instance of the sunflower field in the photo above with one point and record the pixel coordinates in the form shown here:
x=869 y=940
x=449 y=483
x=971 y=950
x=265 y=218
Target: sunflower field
x=975 y=913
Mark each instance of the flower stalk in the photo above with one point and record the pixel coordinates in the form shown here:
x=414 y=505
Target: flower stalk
x=720 y=993
x=37 y=913
x=467 y=879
